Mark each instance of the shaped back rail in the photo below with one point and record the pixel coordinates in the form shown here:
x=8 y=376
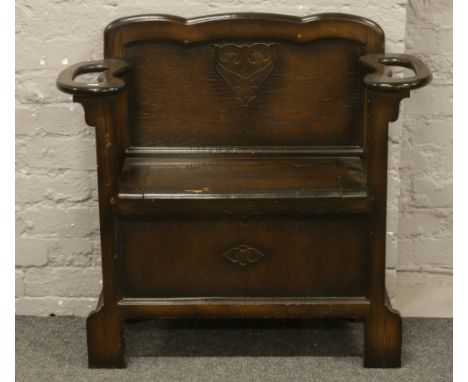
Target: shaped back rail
x=244 y=82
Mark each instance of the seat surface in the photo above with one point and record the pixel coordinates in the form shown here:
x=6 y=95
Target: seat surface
x=235 y=177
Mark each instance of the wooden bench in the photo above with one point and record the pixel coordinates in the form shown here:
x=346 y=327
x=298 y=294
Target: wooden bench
x=242 y=171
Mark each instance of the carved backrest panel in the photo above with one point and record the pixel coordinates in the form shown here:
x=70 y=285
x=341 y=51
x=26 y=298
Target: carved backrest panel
x=257 y=80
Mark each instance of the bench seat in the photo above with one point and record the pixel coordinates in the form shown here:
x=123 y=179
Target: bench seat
x=235 y=177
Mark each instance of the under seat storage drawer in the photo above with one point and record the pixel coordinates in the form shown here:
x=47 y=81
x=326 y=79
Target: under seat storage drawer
x=322 y=256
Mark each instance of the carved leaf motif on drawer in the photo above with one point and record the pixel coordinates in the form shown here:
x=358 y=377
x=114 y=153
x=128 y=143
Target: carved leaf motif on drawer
x=243 y=255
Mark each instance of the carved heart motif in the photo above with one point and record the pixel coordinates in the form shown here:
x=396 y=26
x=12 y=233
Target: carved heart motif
x=245 y=67
x=243 y=255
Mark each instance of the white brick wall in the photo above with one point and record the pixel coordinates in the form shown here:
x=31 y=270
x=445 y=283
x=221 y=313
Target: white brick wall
x=58 y=263
x=425 y=228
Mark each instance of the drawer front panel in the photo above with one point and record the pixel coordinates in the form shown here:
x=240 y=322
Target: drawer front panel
x=313 y=257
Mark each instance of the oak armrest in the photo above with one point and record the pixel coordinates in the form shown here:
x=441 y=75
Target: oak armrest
x=108 y=81
x=381 y=78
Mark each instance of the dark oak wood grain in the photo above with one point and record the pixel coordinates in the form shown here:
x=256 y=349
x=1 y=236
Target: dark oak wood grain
x=242 y=171
x=382 y=79
x=255 y=178
x=108 y=81
x=203 y=257
x=288 y=107
x=241 y=307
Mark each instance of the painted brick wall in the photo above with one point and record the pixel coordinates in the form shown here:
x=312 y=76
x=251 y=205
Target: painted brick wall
x=57 y=254
x=425 y=227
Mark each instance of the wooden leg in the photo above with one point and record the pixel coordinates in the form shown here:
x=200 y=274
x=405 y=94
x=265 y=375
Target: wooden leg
x=106 y=347
x=383 y=338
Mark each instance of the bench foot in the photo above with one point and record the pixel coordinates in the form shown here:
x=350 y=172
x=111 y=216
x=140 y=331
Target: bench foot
x=106 y=347
x=383 y=331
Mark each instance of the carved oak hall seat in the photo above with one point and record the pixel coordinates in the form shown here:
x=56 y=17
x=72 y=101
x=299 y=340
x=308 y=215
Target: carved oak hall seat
x=242 y=171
